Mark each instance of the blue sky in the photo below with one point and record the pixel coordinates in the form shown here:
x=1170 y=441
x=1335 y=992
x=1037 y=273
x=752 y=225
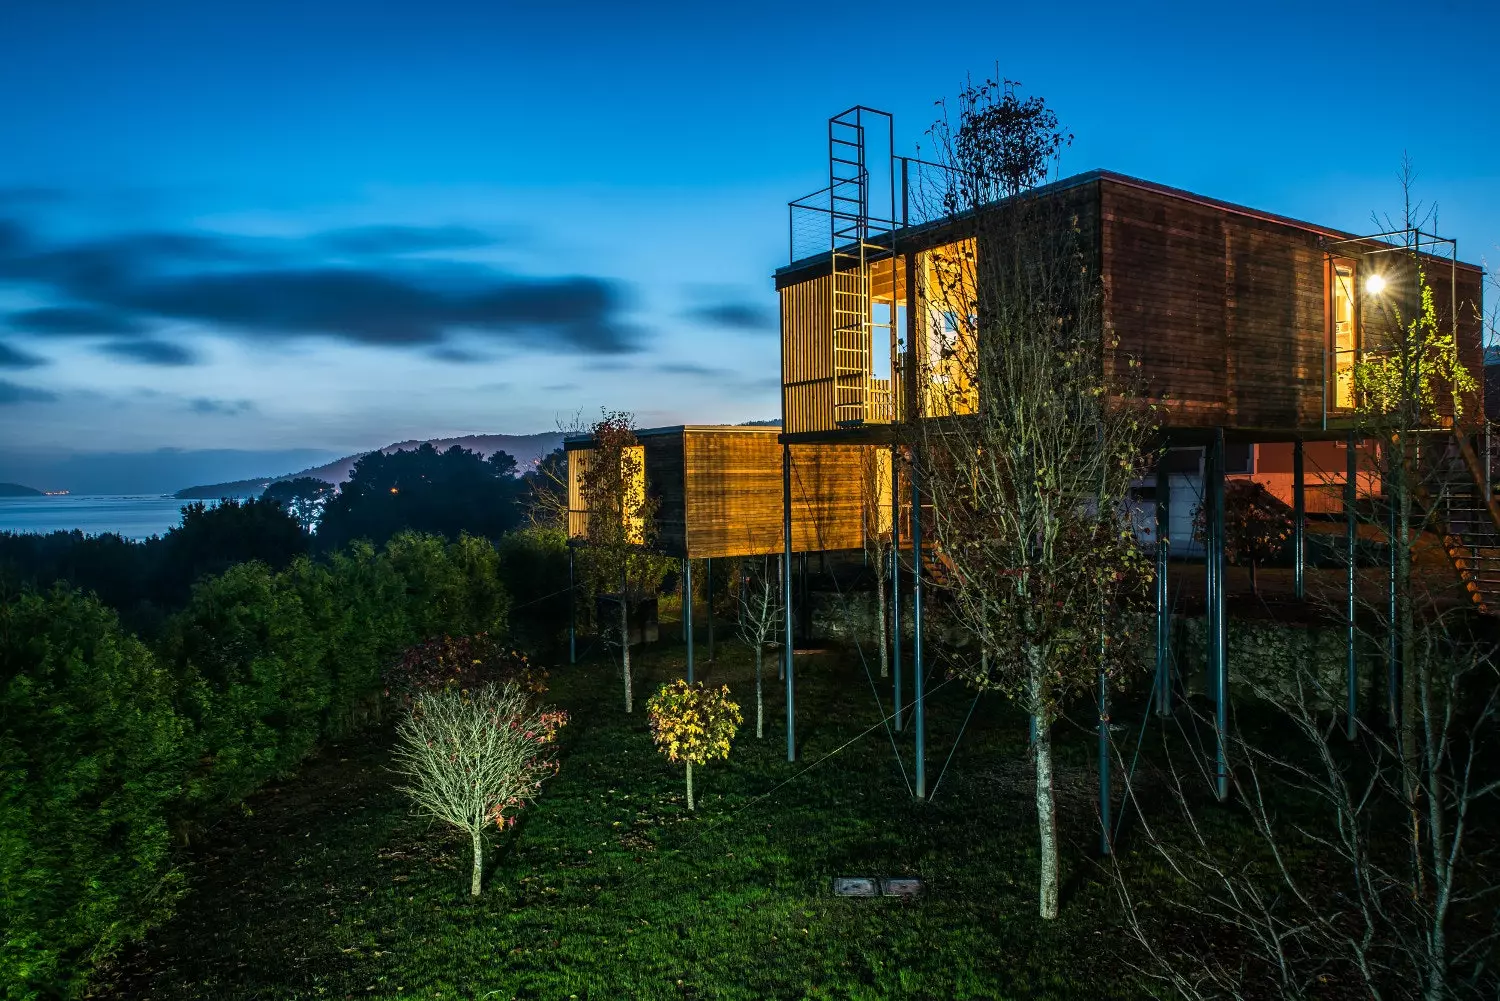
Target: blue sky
x=329 y=226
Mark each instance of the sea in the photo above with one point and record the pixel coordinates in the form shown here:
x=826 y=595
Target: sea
x=132 y=516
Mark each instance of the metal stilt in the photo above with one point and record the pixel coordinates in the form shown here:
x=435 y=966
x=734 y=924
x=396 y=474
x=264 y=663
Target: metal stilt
x=786 y=594
x=1299 y=522
x=919 y=712
x=687 y=613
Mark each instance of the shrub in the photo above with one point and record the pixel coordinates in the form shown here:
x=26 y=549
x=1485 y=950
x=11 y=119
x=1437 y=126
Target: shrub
x=534 y=564
x=465 y=663
x=90 y=756
x=692 y=724
x=474 y=758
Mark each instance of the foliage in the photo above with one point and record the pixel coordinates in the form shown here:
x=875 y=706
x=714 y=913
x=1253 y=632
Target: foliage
x=545 y=491
x=474 y=758
x=1004 y=144
x=423 y=490
x=534 y=563
x=303 y=497
x=1414 y=377
x=466 y=663
x=693 y=724
x=451 y=587
x=90 y=758
x=1257 y=524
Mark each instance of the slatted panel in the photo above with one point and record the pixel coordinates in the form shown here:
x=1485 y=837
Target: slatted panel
x=807 y=373
x=578 y=515
x=734 y=495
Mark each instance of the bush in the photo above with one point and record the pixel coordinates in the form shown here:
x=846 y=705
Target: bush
x=465 y=663
x=534 y=563
x=91 y=754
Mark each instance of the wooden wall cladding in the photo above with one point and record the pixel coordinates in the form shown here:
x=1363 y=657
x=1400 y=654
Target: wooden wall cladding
x=734 y=494
x=807 y=376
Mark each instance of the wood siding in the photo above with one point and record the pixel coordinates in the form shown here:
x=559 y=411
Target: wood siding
x=807 y=376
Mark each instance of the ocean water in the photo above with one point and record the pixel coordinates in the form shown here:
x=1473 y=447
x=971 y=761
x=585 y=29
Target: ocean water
x=131 y=516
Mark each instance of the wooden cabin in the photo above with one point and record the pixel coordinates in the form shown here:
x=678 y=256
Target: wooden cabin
x=1238 y=318
x=719 y=491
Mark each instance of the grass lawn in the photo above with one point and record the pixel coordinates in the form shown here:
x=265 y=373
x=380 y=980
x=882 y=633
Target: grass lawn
x=329 y=887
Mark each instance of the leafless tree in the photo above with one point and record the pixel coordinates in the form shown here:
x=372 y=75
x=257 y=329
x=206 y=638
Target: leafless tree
x=474 y=758
x=759 y=619
x=875 y=497
x=1029 y=460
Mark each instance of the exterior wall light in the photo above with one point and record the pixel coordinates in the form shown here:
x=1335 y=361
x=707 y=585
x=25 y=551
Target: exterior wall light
x=1374 y=284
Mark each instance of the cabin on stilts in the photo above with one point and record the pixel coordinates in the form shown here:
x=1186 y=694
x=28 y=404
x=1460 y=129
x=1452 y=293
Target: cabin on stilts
x=1245 y=328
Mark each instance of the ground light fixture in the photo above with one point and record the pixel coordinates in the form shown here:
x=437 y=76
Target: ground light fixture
x=1375 y=284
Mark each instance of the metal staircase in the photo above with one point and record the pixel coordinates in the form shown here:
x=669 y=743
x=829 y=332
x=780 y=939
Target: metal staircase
x=857 y=240
x=1471 y=525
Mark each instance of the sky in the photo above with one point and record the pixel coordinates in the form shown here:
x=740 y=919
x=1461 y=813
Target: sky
x=238 y=237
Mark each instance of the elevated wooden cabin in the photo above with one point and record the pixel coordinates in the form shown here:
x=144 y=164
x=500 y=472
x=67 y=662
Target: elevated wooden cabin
x=719 y=491
x=1238 y=319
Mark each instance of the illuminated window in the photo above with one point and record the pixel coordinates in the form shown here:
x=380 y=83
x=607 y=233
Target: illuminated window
x=1343 y=338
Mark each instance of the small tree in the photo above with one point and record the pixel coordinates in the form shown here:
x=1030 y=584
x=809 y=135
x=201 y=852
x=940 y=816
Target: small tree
x=875 y=491
x=621 y=523
x=303 y=497
x=759 y=620
x=692 y=724
x=1257 y=525
x=475 y=758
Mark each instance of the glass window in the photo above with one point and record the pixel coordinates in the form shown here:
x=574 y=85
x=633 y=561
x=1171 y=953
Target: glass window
x=1343 y=343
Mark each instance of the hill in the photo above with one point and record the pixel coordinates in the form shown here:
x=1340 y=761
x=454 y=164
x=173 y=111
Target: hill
x=526 y=448
x=16 y=490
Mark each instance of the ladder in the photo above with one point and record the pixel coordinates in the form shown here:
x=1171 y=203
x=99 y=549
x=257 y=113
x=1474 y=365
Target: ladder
x=1471 y=526
x=856 y=242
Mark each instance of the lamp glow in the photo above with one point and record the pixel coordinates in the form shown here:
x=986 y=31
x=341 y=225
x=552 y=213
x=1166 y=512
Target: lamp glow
x=1374 y=285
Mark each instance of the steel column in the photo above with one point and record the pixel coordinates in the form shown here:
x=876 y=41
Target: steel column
x=919 y=711
x=1163 y=611
x=1299 y=522
x=786 y=594
x=1351 y=475
x=1218 y=666
x=708 y=585
x=1393 y=623
x=896 y=579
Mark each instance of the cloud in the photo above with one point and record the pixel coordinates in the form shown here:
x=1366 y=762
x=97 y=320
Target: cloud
x=742 y=316
x=126 y=285
x=225 y=408
x=150 y=352
x=15 y=358
x=376 y=240
x=687 y=368
x=70 y=320
x=10 y=393
x=456 y=355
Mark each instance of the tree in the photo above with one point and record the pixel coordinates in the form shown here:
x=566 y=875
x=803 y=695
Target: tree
x=545 y=491
x=1257 y=525
x=1029 y=463
x=475 y=758
x=759 y=619
x=875 y=497
x=423 y=490
x=303 y=497
x=692 y=724
x=621 y=524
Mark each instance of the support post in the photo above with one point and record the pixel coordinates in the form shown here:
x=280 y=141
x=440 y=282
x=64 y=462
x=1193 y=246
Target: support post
x=786 y=594
x=708 y=586
x=1218 y=666
x=1163 y=611
x=1393 y=622
x=1299 y=522
x=896 y=574
x=804 y=603
x=919 y=711
x=1104 y=790
x=1351 y=482
x=572 y=610
x=687 y=612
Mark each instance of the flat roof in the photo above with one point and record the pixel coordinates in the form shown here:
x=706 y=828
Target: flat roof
x=581 y=439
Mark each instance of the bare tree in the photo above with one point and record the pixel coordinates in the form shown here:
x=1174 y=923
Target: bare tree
x=621 y=524
x=875 y=497
x=759 y=619
x=1029 y=462
x=475 y=758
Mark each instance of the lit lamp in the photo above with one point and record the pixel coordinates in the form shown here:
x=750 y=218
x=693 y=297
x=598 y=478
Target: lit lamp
x=1374 y=285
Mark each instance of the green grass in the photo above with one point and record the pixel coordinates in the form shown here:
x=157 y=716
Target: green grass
x=609 y=888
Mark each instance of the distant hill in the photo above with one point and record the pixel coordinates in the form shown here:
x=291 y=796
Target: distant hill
x=527 y=449
x=16 y=490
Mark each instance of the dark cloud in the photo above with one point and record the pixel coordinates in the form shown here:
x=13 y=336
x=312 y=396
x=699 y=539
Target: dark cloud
x=742 y=316
x=10 y=392
x=227 y=408
x=687 y=368
x=124 y=285
x=150 y=352
x=456 y=355
x=402 y=239
x=15 y=358
x=72 y=320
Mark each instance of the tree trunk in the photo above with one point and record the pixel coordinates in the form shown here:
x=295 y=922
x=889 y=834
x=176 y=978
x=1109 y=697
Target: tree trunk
x=690 y=786
x=625 y=643
x=478 y=862
x=885 y=641
x=1046 y=819
x=760 y=701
